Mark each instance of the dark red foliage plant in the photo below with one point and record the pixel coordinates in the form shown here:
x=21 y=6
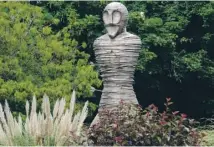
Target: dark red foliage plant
x=131 y=125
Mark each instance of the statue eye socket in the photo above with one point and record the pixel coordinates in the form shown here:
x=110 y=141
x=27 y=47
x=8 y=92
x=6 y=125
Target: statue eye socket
x=106 y=17
x=116 y=16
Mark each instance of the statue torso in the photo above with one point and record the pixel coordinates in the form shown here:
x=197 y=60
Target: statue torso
x=117 y=59
x=117 y=55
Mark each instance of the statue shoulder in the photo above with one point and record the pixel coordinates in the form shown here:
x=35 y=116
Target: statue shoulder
x=132 y=36
x=100 y=39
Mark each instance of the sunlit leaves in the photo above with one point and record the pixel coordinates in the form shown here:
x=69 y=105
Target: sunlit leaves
x=194 y=61
x=35 y=59
x=46 y=30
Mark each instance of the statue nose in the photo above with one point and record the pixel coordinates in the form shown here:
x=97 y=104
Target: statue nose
x=110 y=20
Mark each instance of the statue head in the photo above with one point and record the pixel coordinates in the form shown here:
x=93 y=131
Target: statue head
x=115 y=17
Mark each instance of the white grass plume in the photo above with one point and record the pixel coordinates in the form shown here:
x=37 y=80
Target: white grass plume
x=43 y=128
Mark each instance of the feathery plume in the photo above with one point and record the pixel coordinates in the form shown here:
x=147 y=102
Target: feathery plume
x=82 y=118
x=55 y=110
x=72 y=102
x=42 y=126
x=27 y=108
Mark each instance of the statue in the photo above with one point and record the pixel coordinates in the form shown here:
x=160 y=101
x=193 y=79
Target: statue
x=116 y=53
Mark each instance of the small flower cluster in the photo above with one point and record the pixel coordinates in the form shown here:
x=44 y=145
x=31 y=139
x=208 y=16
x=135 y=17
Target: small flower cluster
x=131 y=125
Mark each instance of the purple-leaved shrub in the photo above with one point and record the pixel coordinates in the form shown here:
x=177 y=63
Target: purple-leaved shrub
x=131 y=125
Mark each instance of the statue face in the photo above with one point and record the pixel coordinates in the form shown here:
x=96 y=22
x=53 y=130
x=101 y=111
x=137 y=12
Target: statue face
x=115 y=18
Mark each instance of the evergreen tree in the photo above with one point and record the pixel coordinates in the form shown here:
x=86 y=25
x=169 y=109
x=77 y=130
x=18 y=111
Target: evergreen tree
x=35 y=59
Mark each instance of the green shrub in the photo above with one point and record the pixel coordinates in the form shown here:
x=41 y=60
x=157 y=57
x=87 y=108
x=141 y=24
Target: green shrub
x=60 y=127
x=209 y=138
x=35 y=58
x=207 y=128
x=129 y=125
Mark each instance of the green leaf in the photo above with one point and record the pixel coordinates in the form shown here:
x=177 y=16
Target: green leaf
x=84 y=45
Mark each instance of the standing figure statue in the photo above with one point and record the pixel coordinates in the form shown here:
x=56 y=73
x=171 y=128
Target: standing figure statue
x=117 y=54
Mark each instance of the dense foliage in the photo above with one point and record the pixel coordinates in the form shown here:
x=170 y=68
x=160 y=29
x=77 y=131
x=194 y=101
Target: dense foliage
x=177 y=57
x=46 y=47
x=128 y=125
x=35 y=59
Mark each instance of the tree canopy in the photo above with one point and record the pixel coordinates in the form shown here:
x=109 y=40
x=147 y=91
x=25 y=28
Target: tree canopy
x=46 y=47
x=36 y=59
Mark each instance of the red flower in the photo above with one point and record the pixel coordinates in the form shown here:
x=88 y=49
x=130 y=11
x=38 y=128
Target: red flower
x=118 y=139
x=183 y=115
x=168 y=99
x=175 y=112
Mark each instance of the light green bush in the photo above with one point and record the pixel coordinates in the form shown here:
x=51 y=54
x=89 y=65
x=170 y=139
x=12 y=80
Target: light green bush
x=209 y=138
x=61 y=127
